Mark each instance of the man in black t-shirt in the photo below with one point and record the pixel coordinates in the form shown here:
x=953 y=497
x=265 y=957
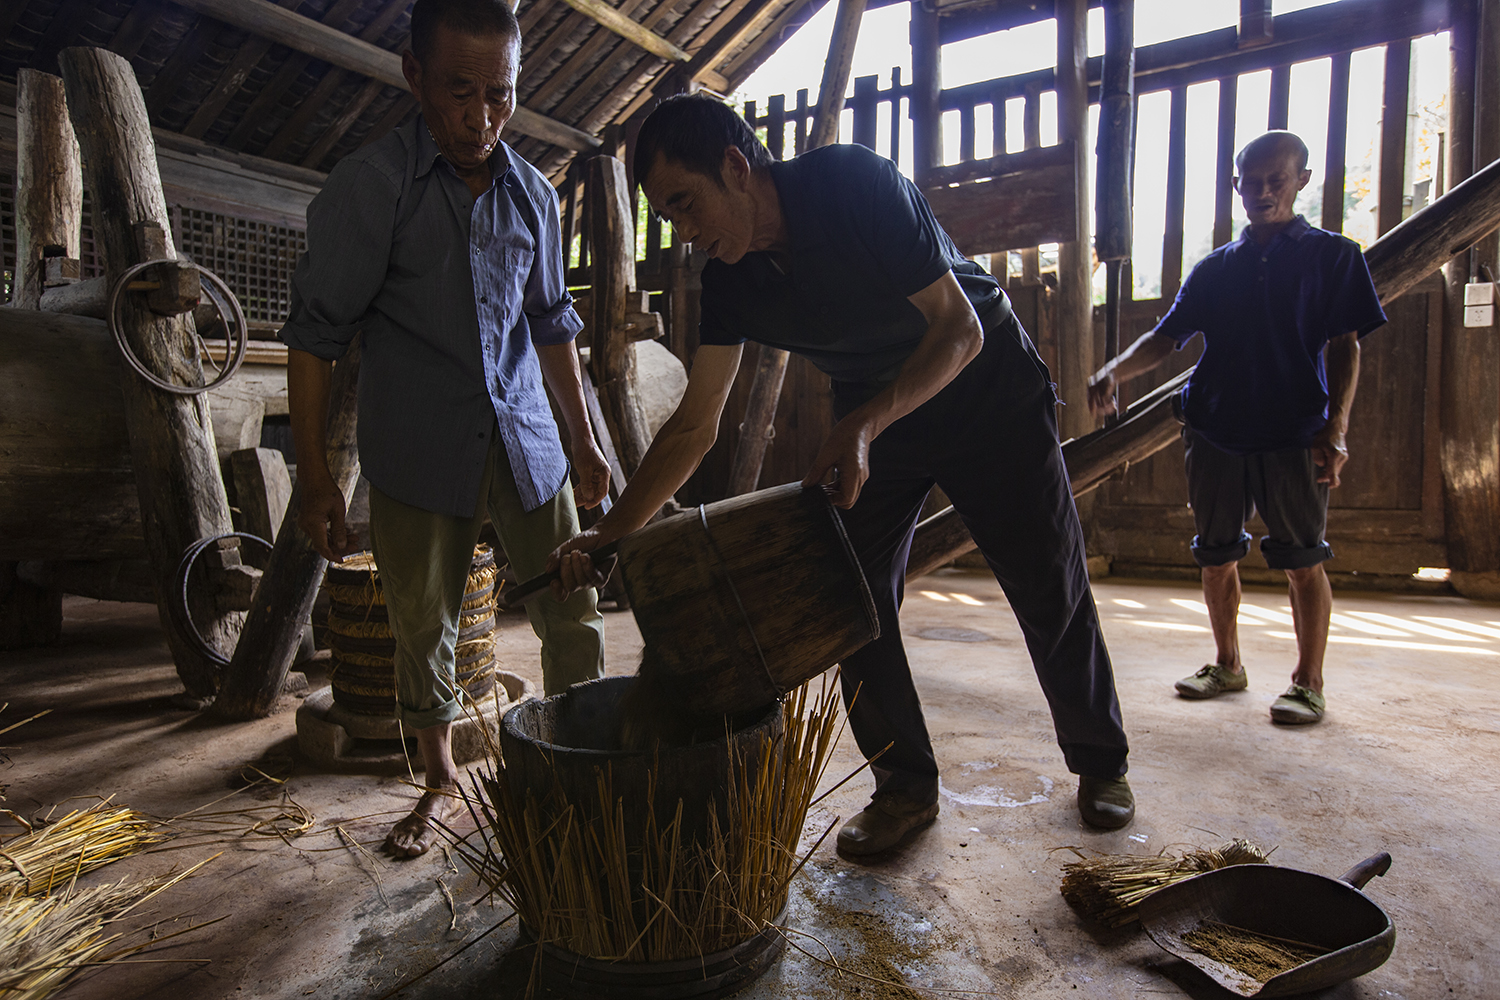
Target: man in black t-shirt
x=836 y=256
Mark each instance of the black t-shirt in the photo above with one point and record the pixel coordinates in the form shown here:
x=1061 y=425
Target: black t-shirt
x=861 y=239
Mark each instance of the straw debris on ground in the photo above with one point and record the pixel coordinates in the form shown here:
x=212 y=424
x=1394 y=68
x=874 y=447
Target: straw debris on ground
x=1259 y=956
x=1109 y=888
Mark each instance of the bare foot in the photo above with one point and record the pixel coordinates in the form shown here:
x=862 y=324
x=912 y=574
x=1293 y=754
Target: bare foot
x=414 y=834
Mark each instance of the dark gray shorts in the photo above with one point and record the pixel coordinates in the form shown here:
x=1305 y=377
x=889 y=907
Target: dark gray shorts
x=1283 y=486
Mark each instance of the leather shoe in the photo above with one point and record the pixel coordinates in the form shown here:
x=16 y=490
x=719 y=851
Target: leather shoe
x=1300 y=706
x=1106 y=803
x=883 y=824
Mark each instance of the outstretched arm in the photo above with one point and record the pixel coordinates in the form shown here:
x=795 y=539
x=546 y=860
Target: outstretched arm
x=1329 y=449
x=1140 y=357
x=673 y=456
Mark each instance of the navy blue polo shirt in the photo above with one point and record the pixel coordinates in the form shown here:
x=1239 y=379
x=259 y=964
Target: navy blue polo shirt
x=861 y=238
x=1266 y=313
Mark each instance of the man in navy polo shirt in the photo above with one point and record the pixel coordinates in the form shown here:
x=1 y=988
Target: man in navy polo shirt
x=1264 y=414
x=836 y=256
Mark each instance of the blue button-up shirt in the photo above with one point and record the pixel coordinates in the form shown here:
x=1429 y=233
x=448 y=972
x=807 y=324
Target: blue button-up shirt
x=1265 y=313
x=453 y=294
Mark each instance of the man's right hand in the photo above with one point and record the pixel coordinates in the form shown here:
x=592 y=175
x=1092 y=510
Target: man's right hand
x=1103 y=399
x=575 y=567
x=320 y=515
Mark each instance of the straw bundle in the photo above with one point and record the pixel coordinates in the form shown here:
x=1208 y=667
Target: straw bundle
x=1108 y=888
x=41 y=859
x=46 y=939
x=577 y=886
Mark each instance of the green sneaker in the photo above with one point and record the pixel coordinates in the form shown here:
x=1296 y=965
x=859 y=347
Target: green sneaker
x=1213 y=679
x=1300 y=706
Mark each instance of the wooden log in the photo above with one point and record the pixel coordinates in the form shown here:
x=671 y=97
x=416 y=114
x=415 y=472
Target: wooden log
x=284 y=600
x=49 y=182
x=756 y=428
x=182 y=496
x=612 y=260
x=1075 y=292
x=1398 y=262
x=89 y=297
x=643 y=37
x=303 y=34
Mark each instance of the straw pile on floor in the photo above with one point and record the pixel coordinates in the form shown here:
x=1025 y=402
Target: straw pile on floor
x=45 y=857
x=576 y=886
x=1109 y=888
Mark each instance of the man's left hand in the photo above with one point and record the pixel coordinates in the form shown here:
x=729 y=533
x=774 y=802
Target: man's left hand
x=1330 y=453
x=593 y=476
x=847 y=453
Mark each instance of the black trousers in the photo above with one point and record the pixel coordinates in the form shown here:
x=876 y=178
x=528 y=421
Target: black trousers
x=989 y=439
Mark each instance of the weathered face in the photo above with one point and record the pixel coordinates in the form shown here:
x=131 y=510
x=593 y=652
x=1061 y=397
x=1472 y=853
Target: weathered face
x=467 y=89
x=717 y=220
x=1268 y=186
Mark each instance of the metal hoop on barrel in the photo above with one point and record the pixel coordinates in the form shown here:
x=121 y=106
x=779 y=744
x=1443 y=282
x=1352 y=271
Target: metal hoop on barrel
x=224 y=302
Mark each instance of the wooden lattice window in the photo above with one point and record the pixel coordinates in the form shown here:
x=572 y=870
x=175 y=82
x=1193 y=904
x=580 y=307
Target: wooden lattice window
x=255 y=259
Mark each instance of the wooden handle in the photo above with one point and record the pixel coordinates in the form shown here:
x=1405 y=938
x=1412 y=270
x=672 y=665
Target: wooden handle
x=510 y=597
x=1377 y=864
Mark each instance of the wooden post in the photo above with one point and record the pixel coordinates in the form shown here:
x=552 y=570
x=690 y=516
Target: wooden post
x=1393 y=122
x=49 y=183
x=49 y=204
x=284 y=600
x=1075 y=293
x=926 y=91
x=1470 y=406
x=1398 y=261
x=171 y=437
x=264 y=489
x=1113 y=226
x=836 y=69
x=1338 y=139
x=756 y=428
x=612 y=262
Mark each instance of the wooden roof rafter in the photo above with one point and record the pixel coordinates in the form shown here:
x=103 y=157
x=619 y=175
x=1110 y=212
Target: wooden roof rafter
x=640 y=34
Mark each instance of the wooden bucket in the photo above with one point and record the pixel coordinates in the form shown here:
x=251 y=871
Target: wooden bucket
x=363 y=672
x=743 y=600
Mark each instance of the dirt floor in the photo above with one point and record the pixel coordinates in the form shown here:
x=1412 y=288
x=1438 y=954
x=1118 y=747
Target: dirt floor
x=1405 y=762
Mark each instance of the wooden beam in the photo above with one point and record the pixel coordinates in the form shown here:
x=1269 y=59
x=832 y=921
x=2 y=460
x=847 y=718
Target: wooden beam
x=1010 y=202
x=632 y=31
x=587 y=55
x=1398 y=261
x=1171 y=249
x=231 y=80
x=836 y=68
x=181 y=493
x=348 y=52
x=49 y=183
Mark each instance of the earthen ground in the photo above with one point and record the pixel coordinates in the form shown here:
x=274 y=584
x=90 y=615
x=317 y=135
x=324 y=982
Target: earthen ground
x=1405 y=762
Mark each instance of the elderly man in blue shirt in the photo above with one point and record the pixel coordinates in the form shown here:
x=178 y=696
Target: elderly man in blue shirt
x=443 y=247
x=837 y=256
x=1264 y=414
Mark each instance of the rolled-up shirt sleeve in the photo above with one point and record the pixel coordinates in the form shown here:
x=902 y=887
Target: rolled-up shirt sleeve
x=349 y=229
x=550 y=315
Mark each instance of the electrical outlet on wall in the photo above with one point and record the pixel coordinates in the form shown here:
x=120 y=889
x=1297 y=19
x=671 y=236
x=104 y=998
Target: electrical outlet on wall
x=1479 y=304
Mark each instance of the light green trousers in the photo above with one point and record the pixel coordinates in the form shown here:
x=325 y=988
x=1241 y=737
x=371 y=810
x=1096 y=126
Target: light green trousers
x=424 y=561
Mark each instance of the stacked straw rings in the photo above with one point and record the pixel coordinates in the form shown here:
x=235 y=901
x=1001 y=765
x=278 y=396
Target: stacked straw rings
x=363 y=672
